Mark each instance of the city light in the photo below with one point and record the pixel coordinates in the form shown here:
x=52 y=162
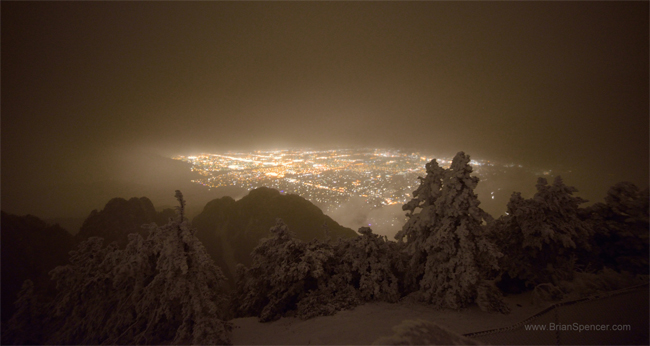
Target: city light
x=326 y=178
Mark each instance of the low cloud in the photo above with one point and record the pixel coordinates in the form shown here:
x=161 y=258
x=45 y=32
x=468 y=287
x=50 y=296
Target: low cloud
x=356 y=212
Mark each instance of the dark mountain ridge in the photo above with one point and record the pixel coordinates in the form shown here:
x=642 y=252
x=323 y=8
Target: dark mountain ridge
x=30 y=249
x=230 y=229
x=119 y=218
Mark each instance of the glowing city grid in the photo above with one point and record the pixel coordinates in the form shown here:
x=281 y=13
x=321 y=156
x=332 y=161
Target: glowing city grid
x=326 y=178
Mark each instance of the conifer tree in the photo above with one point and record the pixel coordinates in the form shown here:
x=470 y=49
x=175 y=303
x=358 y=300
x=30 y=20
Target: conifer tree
x=26 y=325
x=541 y=236
x=160 y=289
x=285 y=270
x=620 y=227
x=450 y=253
x=369 y=263
x=187 y=283
x=417 y=229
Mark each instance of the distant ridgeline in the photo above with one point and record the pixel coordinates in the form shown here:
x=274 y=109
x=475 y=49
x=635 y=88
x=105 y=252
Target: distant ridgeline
x=281 y=255
x=30 y=249
x=230 y=229
x=120 y=217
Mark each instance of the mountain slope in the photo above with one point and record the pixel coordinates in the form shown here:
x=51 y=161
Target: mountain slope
x=119 y=218
x=231 y=229
x=30 y=249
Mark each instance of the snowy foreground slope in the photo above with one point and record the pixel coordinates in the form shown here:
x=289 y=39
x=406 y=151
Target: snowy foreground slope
x=371 y=321
x=361 y=326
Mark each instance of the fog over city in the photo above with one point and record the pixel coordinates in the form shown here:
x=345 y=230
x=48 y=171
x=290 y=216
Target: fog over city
x=356 y=187
x=92 y=92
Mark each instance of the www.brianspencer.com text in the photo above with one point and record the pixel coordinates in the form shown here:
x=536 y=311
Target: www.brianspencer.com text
x=577 y=327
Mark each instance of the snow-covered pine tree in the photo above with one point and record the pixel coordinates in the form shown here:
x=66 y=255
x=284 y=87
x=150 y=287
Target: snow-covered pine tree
x=284 y=271
x=184 y=301
x=26 y=326
x=451 y=255
x=162 y=289
x=84 y=294
x=368 y=262
x=333 y=291
x=540 y=236
x=365 y=268
x=417 y=230
x=620 y=226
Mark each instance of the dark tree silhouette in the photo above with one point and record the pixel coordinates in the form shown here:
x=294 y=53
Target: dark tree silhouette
x=541 y=236
x=284 y=271
x=450 y=253
x=30 y=249
x=159 y=289
x=620 y=228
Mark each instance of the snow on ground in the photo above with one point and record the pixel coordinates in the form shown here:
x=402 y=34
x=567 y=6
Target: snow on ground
x=367 y=323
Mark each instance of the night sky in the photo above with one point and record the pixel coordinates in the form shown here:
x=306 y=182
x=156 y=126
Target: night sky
x=550 y=84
